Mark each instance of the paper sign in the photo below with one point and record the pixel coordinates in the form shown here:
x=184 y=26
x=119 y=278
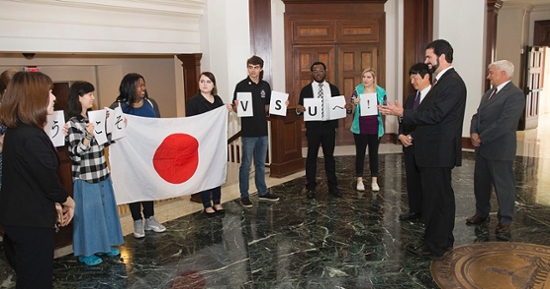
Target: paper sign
x=244 y=109
x=119 y=127
x=337 y=109
x=110 y=119
x=54 y=128
x=369 y=104
x=97 y=118
x=277 y=105
x=313 y=109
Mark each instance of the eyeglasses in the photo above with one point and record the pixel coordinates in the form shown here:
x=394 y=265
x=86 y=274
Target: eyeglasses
x=318 y=71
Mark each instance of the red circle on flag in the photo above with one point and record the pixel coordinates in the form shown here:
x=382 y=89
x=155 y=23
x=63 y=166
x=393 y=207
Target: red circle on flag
x=177 y=158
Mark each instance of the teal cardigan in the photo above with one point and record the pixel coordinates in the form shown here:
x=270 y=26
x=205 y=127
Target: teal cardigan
x=380 y=93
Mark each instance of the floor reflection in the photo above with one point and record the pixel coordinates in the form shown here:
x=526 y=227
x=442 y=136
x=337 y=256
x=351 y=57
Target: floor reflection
x=352 y=242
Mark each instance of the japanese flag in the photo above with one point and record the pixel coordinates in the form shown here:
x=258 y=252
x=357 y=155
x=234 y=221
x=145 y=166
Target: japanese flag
x=163 y=158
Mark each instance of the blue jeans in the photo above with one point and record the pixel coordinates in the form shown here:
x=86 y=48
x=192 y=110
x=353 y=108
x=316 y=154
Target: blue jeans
x=256 y=146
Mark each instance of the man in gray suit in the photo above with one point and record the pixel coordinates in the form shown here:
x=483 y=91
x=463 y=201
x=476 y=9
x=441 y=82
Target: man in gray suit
x=493 y=133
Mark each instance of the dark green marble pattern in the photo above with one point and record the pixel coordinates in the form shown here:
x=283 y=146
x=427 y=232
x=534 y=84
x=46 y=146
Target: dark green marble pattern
x=352 y=242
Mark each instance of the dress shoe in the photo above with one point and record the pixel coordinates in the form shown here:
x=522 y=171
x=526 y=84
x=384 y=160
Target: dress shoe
x=310 y=194
x=502 y=228
x=476 y=220
x=410 y=217
x=335 y=192
x=424 y=252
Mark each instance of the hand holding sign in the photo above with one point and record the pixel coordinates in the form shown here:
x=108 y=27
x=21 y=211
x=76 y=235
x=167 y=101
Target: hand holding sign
x=277 y=105
x=369 y=104
x=337 y=106
x=244 y=105
x=119 y=125
x=53 y=128
x=97 y=117
x=313 y=109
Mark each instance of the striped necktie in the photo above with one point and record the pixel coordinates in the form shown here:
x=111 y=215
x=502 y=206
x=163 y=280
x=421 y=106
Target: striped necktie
x=321 y=95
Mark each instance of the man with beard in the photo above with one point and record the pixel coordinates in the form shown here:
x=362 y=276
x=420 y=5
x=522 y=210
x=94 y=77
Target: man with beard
x=320 y=132
x=437 y=147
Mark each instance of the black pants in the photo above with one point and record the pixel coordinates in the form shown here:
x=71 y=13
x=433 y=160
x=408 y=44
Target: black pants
x=361 y=143
x=438 y=208
x=414 y=181
x=148 y=210
x=325 y=136
x=33 y=252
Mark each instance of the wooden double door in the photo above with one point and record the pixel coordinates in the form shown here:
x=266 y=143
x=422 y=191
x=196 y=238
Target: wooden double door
x=347 y=37
x=345 y=63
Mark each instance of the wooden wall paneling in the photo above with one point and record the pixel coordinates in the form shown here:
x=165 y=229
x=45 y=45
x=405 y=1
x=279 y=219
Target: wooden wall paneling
x=541 y=33
x=418 y=31
x=260 y=35
x=286 y=137
x=313 y=31
x=191 y=64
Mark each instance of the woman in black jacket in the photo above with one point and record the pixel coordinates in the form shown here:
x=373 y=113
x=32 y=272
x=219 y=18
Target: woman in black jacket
x=30 y=186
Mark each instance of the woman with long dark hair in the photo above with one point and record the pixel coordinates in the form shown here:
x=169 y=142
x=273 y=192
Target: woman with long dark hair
x=30 y=186
x=205 y=100
x=133 y=99
x=96 y=221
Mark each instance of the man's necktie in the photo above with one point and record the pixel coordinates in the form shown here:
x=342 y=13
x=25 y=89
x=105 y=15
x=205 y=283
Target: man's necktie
x=321 y=96
x=493 y=94
x=416 y=101
x=435 y=81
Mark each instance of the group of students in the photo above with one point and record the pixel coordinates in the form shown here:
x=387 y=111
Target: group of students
x=32 y=199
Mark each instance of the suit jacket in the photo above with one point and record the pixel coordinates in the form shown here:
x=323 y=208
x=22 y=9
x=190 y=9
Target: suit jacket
x=406 y=129
x=496 y=121
x=307 y=92
x=439 y=120
x=30 y=185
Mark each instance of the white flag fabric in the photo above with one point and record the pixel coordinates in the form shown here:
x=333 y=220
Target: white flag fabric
x=163 y=158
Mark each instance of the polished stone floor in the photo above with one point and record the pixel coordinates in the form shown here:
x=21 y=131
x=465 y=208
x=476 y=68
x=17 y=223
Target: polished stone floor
x=355 y=241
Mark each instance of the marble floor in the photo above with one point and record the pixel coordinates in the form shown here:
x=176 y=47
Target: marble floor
x=356 y=241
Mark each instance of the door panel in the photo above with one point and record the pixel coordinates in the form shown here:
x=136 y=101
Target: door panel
x=352 y=60
x=532 y=86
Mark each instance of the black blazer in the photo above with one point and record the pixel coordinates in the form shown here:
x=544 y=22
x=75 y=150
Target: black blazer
x=307 y=92
x=30 y=186
x=406 y=129
x=439 y=120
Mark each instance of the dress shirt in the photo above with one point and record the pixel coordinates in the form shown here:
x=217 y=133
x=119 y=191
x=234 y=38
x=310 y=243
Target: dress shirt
x=326 y=97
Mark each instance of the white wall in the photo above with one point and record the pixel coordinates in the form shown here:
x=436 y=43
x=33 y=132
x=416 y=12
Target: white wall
x=461 y=23
x=394 y=57
x=101 y=26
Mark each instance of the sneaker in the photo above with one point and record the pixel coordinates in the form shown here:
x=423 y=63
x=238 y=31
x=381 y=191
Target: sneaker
x=138 y=229
x=245 y=202
x=375 y=187
x=268 y=197
x=360 y=186
x=152 y=225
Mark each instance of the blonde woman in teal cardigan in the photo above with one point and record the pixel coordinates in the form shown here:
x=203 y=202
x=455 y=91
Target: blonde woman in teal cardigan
x=367 y=130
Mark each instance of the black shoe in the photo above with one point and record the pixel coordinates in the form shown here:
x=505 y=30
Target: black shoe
x=245 y=202
x=423 y=251
x=310 y=194
x=268 y=197
x=410 y=217
x=210 y=214
x=335 y=192
x=219 y=211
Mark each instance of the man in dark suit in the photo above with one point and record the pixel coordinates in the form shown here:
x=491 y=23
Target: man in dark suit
x=320 y=132
x=437 y=147
x=493 y=133
x=421 y=79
